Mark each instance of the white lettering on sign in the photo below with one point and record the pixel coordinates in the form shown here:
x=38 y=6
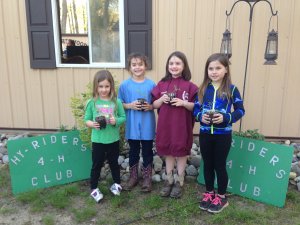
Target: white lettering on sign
x=20 y=153
x=232 y=143
x=15 y=160
x=75 y=141
x=252 y=169
x=69 y=173
x=251 y=147
x=274 y=160
x=256 y=191
x=229 y=164
x=58 y=176
x=64 y=139
x=53 y=139
x=60 y=158
x=243 y=189
x=228 y=184
x=280 y=174
x=41 y=161
x=35 y=144
x=83 y=148
x=46 y=179
x=34 y=181
x=263 y=151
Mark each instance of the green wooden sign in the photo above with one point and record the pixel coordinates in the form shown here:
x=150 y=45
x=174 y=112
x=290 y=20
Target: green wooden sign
x=44 y=161
x=258 y=170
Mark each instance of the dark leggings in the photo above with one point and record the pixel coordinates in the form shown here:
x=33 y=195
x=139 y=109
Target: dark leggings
x=134 y=153
x=214 y=150
x=99 y=153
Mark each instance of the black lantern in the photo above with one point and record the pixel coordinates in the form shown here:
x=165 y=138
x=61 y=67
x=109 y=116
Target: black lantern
x=271 y=52
x=226 y=44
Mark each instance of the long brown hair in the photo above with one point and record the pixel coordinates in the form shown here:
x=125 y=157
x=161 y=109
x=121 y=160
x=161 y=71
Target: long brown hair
x=226 y=82
x=186 y=73
x=101 y=76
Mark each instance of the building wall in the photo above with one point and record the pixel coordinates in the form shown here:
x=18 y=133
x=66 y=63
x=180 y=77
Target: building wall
x=40 y=99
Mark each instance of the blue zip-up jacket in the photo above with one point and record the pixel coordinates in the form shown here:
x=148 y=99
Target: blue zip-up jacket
x=211 y=101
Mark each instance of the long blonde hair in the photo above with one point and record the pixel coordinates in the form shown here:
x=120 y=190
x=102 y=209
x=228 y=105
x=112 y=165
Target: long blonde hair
x=226 y=82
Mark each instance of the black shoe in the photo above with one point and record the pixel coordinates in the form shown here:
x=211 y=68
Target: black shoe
x=206 y=200
x=218 y=204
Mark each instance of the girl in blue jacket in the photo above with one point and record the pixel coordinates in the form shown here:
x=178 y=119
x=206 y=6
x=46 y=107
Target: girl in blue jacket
x=213 y=110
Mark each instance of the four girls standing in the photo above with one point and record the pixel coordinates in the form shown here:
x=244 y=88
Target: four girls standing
x=176 y=99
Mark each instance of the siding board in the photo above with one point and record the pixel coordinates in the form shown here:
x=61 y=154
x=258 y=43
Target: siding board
x=15 y=71
x=290 y=116
x=31 y=77
x=50 y=95
x=5 y=100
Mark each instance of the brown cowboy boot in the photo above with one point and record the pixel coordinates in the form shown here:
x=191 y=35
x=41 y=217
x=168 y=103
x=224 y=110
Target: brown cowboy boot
x=166 y=190
x=178 y=187
x=147 y=179
x=133 y=179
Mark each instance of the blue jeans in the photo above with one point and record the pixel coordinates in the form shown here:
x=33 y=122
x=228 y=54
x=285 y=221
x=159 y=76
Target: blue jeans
x=134 y=152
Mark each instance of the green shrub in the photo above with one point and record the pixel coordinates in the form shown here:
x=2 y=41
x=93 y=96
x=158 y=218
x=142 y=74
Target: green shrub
x=253 y=134
x=78 y=103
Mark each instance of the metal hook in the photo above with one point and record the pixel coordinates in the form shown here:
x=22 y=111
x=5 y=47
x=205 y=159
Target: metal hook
x=270 y=22
x=227 y=22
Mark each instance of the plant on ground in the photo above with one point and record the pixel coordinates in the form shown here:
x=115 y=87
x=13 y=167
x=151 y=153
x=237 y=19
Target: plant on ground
x=253 y=134
x=62 y=128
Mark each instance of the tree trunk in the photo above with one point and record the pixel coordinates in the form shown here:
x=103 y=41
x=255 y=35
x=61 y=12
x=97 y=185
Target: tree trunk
x=64 y=14
x=75 y=18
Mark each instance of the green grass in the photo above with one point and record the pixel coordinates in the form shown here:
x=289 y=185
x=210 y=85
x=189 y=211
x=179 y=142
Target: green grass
x=48 y=220
x=134 y=207
x=84 y=214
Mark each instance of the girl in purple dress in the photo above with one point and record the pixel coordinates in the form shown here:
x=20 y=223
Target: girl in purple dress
x=174 y=97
